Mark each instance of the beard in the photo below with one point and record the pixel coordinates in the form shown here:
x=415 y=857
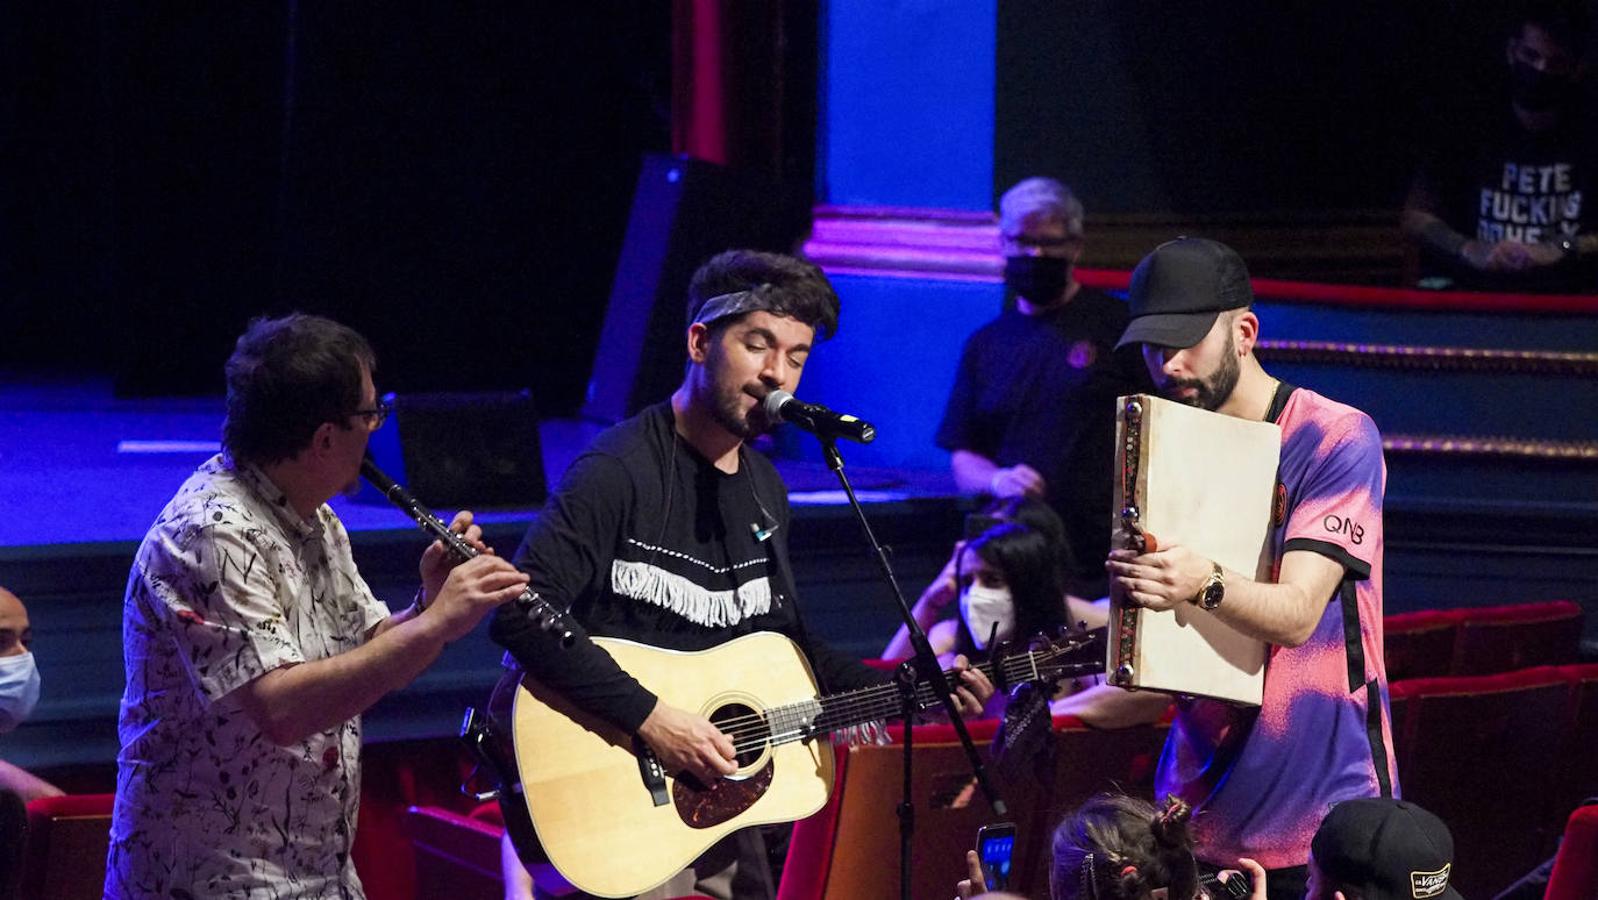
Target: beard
x=728 y=411
x=1208 y=393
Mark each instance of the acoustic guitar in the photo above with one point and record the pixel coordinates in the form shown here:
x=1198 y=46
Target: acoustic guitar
x=614 y=823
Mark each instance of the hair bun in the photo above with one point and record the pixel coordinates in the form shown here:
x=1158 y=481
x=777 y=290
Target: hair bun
x=1169 y=825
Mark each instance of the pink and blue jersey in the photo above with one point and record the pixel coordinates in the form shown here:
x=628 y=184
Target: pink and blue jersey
x=1261 y=780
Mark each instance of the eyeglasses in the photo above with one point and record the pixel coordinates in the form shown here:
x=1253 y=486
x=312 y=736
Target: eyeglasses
x=377 y=415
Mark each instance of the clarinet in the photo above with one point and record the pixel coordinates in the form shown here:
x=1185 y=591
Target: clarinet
x=544 y=614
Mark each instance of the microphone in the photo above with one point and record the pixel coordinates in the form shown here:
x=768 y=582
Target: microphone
x=820 y=421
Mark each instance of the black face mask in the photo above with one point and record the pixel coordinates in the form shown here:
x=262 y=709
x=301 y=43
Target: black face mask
x=1539 y=91
x=1037 y=279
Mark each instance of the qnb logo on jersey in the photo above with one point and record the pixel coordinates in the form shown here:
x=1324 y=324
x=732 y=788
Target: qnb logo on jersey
x=1429 y=884
x=1340 y=525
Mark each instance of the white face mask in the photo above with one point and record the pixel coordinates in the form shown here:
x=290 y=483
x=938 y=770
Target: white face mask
x=982 y=607
x=19 y=690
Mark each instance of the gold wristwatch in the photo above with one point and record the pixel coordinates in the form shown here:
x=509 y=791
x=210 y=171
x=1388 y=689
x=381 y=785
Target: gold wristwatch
x=1213 y=591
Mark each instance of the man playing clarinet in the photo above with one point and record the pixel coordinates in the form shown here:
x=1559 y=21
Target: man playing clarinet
x=252 y=645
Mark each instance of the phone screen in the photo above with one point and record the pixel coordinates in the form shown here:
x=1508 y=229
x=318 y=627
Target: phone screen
x=995 y=845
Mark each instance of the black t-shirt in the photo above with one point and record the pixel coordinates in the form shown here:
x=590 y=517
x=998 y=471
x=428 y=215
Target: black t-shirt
x=646 y=540
x=1497 y=181
x=1041 y=390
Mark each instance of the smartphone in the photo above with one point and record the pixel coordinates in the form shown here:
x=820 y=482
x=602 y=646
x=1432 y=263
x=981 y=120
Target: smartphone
x=1235 y=887
x=995 y=846
x=977 y=523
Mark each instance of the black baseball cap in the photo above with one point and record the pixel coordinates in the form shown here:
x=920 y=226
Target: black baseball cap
x=1178 y=291
x=1386 y=849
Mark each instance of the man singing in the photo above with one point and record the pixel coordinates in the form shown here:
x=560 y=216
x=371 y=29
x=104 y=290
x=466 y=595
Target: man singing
x=668 y=530
x=252 y=645
x=1260 y=780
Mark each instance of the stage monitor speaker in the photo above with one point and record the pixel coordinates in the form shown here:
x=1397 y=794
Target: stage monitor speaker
x=462 y=450
x=684 y=212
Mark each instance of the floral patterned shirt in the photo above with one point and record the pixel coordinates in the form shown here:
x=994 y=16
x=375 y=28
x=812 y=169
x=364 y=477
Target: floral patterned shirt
x=231 y=583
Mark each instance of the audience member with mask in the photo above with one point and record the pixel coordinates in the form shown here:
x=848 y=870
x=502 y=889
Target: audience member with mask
x=1032 y=412
x=1005 y=585
x=1503 y=201
x=19 y=693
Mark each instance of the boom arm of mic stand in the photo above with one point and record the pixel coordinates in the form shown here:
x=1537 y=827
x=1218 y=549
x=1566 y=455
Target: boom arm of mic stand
x=927 y=662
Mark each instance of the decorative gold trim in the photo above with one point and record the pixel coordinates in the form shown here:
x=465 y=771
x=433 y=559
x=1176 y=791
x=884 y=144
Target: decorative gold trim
x=1362 y=247
x=1493 y=447
x=1453 y=359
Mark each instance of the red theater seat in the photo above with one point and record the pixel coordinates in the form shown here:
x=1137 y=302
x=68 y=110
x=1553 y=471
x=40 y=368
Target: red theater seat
x=1517 y=636
x=1483 y=753
x=456 y=856
x=67 y=842
x=1420 y=644
x=1575 y=875
x=851 y=848
x=1580 y=763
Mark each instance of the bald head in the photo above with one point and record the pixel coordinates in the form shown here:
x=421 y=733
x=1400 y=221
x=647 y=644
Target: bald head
x=15 y=634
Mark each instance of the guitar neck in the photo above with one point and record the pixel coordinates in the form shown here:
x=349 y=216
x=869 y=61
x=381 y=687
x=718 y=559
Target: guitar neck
x=799 y=721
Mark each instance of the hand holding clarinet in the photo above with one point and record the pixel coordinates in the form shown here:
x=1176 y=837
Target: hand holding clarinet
x=462 y=578
x=458 y=592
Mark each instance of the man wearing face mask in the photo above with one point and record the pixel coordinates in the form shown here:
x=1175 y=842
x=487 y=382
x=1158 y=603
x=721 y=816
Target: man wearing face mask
x=19 y=692
x=1032 y=409
x=1505 y=204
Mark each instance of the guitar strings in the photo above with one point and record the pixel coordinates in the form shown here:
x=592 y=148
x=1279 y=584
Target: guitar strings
x=871 y=698
x=753 y=731
x=1014 y=667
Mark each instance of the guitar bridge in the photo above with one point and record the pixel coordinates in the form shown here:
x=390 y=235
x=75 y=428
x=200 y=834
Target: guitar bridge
x=652 y=773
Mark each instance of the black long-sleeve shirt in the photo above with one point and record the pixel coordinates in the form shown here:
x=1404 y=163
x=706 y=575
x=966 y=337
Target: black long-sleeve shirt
x=646 y=540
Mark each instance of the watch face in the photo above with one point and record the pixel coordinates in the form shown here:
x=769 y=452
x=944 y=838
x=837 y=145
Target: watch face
x=1213 y=594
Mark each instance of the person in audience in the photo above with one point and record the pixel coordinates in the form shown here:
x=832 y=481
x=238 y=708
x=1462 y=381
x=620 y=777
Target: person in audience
x=1032 y=408
x=19 y=691
x=252 y=645
x=1379 y=848
x=934 y=607
x=1013 y=569
x=1260 y=779
x=1505 y=204
x=1116 y=847
x=1088 y=697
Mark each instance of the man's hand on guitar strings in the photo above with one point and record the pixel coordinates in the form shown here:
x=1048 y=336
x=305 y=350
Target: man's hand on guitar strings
x=1161 y=580
x=685 y=741
x=971 y=688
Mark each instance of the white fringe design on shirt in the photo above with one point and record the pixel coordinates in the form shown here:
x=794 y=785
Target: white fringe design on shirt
x=713 y=609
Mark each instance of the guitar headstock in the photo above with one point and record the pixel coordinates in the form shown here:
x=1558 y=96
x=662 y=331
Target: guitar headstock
x=1069 y=653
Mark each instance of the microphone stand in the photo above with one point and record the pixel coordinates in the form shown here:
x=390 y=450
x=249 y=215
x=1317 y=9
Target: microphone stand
x=924 y=660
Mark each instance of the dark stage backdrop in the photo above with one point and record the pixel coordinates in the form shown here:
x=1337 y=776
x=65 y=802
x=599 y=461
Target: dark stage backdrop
x=1236 y=106
x=453 y=181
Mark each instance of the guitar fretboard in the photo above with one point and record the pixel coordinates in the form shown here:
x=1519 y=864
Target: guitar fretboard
x=798 y=721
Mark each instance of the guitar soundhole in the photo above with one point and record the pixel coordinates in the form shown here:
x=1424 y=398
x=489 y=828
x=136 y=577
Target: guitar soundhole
x=705 y=806
x=747 y=729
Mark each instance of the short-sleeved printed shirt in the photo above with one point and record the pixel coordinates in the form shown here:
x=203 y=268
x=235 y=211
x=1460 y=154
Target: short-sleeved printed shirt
x=231 y=583
x=1261 y=780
